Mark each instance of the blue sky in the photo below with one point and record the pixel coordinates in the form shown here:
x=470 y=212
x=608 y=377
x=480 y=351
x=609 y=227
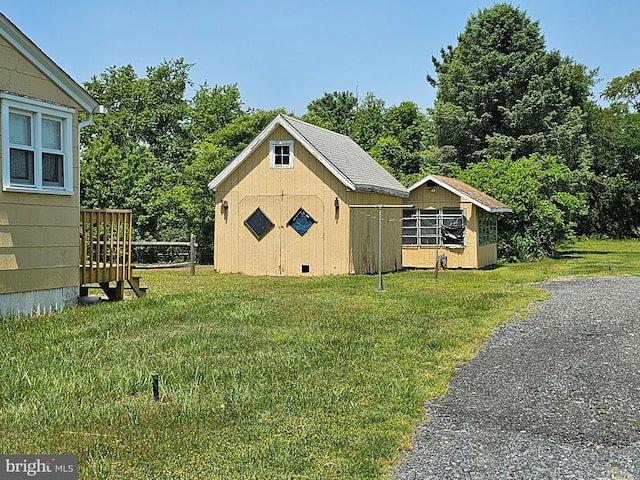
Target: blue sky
x=288 y=53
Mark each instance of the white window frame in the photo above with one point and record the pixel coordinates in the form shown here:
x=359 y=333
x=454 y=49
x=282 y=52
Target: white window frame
x=37 y=111
x=272 y=153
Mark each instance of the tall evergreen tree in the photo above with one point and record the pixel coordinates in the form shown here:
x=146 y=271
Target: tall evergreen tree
x=500 y=92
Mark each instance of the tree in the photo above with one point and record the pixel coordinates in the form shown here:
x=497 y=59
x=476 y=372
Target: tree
x=499 y=92
x=212 y=109
x=614 y=189
x=625 y=90
x=334 y=111
x=142 y=154
x=547 y=199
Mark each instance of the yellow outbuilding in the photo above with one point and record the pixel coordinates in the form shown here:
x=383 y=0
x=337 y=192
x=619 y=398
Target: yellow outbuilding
x=296 y=201
x=451 y=220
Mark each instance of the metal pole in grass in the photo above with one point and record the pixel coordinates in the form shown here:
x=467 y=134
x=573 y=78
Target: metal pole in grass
x=380 y=287
x=438 y=232
x=380 y=207
x=156 y=388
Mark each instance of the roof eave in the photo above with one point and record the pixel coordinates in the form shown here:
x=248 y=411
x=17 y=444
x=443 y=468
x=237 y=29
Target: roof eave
x=242 y=156
x=505 y=209
x=497 y=209
x=316 y=153
x=385 y=191
x=35 y=55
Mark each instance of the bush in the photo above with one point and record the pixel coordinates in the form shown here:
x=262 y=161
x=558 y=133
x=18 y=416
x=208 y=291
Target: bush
x=547 y=199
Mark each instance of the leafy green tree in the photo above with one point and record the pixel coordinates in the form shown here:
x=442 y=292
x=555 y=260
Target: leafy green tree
x=614 y=189
x=119 y=169
x=547 y=199
x=625 y=90
x=334 y=111
x=368 y=126
x=500 y=92
x=166 y=112
x=142 y=154
x=212 y=109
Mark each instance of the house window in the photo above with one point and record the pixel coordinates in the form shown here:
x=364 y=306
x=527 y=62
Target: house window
x=281 y=154
x=36 y=147
x=431 y=227
x=487 y=229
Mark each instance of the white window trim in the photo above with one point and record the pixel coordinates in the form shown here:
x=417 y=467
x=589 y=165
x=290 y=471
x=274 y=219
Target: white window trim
x=37 y=109
x=272 y=153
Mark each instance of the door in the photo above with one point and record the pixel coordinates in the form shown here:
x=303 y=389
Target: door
x=282 y=235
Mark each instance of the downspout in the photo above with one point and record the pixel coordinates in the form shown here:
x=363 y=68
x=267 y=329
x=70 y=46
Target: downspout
x=89 y=119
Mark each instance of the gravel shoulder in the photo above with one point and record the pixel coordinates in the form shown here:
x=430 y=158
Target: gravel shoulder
x=553 y=396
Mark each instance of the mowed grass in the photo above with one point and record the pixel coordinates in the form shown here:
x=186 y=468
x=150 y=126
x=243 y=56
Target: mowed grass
x=260 y=377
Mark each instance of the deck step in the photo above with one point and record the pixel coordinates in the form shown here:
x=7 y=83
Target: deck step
x=116 y=292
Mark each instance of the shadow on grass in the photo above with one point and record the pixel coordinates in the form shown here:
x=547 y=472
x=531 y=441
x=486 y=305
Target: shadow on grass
x=585 y=252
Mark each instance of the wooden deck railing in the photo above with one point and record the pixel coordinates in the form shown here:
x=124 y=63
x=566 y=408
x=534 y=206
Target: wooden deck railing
x=105 y=246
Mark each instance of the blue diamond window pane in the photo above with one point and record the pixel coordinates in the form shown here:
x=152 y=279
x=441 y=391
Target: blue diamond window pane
x=301 y=222
x=259 y=223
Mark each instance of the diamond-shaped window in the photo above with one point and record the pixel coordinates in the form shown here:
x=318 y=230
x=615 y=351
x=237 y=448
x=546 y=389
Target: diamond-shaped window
x=259 y=223
x=301 y=222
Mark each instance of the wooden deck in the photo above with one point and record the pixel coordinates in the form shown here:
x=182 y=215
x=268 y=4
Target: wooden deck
x=105 y=252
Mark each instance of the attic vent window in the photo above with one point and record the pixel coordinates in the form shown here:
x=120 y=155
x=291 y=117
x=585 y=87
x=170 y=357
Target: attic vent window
x=259 y=223
x=281 y=154
x=301 y=222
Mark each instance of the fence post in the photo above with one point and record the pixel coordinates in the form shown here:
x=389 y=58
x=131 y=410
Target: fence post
x=192 y=254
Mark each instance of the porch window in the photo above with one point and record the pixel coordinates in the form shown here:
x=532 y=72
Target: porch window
x=487 y=229
x=430 y=227
x=281 y=154
x=36 y=147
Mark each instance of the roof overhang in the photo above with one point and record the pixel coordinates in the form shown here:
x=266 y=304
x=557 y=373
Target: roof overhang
x=437 y=181
x=385 y=191
x=30 y=51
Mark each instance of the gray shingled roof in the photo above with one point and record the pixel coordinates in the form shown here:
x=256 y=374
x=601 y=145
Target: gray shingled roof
x=346 y=156
x=338 y=153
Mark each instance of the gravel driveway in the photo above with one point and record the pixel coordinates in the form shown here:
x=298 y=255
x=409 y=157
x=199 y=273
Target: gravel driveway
x=554 y=396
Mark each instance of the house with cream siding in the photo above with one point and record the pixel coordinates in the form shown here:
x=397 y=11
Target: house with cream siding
x=41 y=111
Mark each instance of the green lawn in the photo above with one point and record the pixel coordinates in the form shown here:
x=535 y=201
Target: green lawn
x=262 y=377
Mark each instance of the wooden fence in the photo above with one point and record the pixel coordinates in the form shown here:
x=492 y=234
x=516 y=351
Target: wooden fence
x=193 y=246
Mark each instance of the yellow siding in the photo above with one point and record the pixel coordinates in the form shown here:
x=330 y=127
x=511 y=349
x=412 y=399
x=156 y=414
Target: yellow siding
x=39 y=239
x=364 y=233
x=425 y=257
x=487 y=255
x=279 y=193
